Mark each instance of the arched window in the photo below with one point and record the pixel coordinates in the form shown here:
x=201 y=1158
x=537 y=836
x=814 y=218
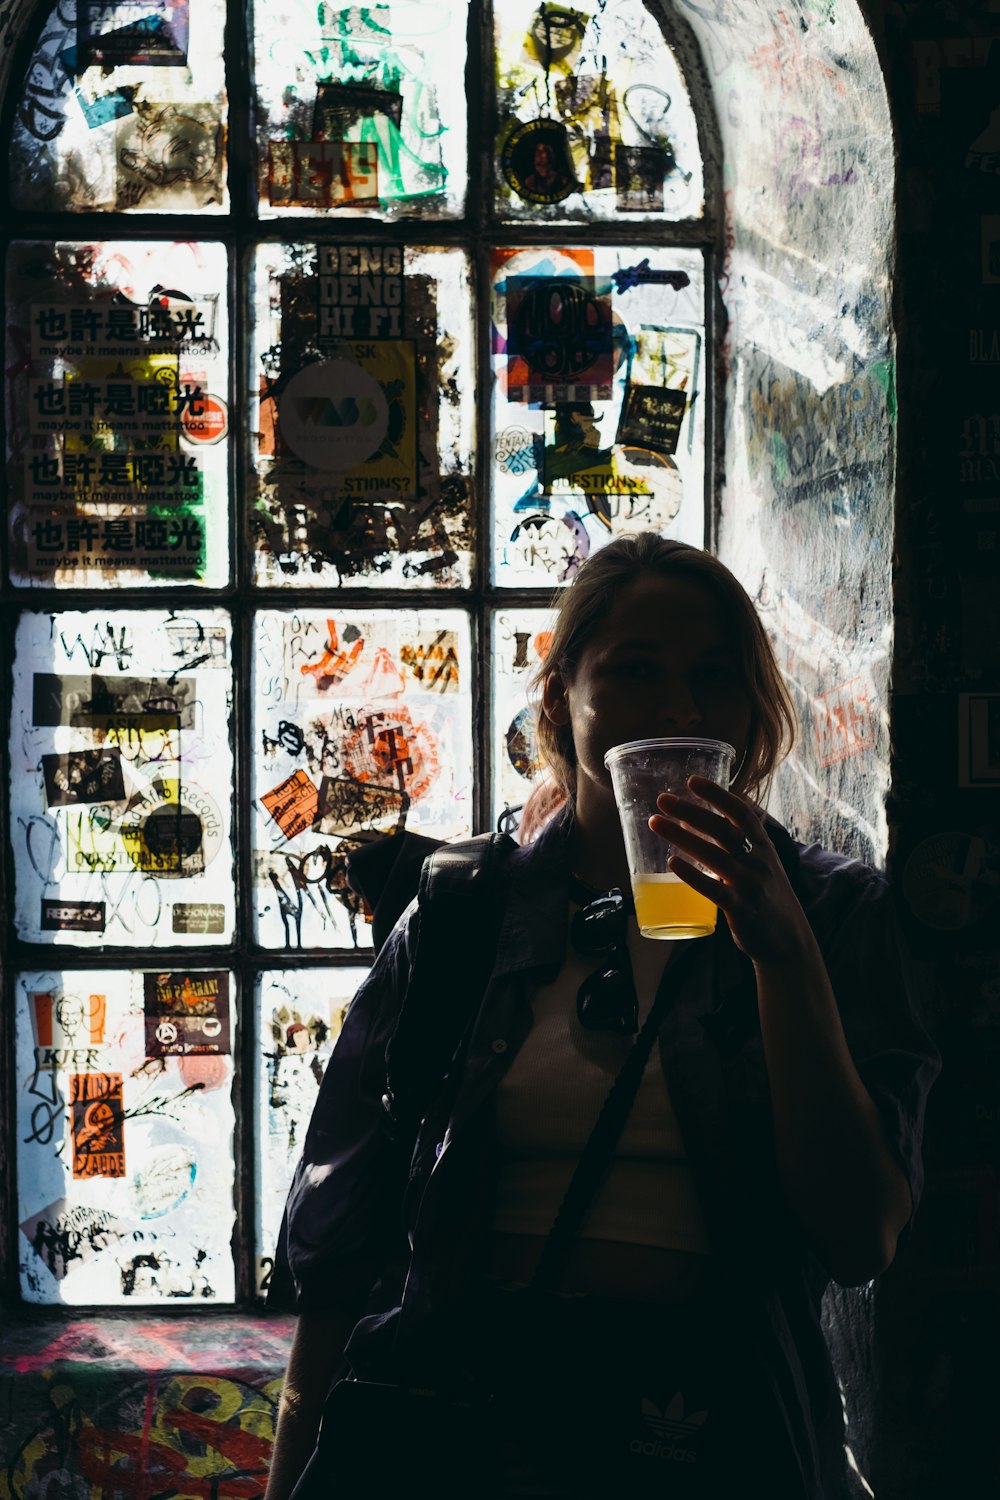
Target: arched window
x=337 y=337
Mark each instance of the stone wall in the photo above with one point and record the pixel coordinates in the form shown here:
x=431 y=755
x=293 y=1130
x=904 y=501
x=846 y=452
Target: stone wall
x=862 y=394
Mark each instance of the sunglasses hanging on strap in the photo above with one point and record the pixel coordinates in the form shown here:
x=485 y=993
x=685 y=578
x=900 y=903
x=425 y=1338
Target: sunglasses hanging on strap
x=607 y=999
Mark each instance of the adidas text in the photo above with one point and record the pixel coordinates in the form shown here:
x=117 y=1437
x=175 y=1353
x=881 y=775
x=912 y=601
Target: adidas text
x=655 y=1449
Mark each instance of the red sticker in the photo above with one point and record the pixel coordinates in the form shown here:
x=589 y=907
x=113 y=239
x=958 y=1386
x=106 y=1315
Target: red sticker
x=205 y=420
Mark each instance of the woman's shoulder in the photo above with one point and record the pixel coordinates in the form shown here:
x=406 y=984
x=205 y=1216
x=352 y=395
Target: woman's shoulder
x=824 y=866
x=840 y=891
x=825 y=880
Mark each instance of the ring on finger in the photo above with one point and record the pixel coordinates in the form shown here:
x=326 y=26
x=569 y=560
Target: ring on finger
x=747 y=846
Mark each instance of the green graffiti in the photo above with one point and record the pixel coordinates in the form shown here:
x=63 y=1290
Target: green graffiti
x=884 y=373
x=779 y=448
x=177 y=536
x=401 y=173
x=402 y=149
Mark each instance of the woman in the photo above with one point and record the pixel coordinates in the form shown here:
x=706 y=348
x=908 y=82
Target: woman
x=773 y=1144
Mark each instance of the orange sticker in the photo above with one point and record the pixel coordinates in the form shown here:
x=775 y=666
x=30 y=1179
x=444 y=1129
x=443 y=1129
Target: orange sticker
x=293 y=804
x=97 y=1122
x=42 y=1005
x=205 y=420
x=390 y=750
x=207 y=1072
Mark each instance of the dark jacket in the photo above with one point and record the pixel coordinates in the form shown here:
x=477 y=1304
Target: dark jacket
x=342 y=1219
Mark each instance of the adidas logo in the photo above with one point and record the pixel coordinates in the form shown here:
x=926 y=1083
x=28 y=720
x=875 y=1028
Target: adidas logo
x=668 y=1427
x=672 y=1422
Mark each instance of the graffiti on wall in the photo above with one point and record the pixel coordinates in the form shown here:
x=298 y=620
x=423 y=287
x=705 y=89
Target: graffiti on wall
x=807 y=505
x=93 y=1413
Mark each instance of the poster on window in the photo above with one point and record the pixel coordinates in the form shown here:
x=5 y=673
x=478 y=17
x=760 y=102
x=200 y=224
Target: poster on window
x=598 y=409
x=125 y=1162
x=593 y=117
x=361 y=110
x=521 y=641
x=136 y=33
x=363 y=424
x=122 y=108
x=362 y=727
x=116 y=450
x=299 y=1016
x=121 y=785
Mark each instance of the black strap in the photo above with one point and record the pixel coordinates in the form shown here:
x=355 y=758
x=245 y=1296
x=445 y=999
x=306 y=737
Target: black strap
x=460 y=908
x=385 y=873
x=600 y=1147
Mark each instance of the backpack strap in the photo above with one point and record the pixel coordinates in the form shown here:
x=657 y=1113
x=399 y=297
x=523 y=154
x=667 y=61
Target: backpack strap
x=385 y=873
x=459 y=924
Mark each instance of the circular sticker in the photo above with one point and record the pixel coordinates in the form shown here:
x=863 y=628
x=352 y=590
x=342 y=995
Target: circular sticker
x=949 y=881
x=522 y=744
x=551 y=544
x=163 y=1181
x=175 y=832
x=391 y=750
x=649 y=493
x=333 y=415
x=537 y=163
x=556 y=33
x=205 y=421
x=205 y=1071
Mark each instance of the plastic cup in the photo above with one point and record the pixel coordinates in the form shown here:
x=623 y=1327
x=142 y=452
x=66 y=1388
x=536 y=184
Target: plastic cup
x=665 y=905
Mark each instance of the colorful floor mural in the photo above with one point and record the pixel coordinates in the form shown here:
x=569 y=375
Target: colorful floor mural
x=157 y=1409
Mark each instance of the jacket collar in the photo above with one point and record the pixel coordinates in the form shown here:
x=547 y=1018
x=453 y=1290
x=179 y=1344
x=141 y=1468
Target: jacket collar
x=533 y=931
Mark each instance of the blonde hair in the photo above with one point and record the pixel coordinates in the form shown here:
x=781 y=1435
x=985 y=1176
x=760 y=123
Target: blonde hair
x=583 y=608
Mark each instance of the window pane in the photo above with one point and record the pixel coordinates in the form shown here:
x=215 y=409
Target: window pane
x=362 y=723
x=364 y=426
x=300 y=1012
x=594 y=119
x=361 y=109
x=122 y=779
x=520 y=642
x=124 y=109
x=598 y=407
x=125 y=1136
x=116 y=464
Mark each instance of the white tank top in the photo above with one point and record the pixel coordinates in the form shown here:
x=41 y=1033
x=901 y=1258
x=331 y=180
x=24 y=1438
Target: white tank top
x=547 y=1104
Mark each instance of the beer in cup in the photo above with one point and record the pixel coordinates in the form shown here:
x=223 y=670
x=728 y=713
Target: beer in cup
x=665 y=905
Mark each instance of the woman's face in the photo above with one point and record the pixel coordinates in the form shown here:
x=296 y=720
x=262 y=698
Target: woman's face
x=663 y=663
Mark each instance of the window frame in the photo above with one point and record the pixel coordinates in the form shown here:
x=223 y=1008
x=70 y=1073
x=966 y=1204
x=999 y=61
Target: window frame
x=478 y=231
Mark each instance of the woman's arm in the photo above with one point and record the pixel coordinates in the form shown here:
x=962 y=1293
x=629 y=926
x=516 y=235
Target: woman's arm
x=837 y=1167
x=317 y=1350
x=838 y=1171
x=334 y=1229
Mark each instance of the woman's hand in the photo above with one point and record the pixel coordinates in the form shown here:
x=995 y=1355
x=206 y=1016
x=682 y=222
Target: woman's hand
x=752 y=889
